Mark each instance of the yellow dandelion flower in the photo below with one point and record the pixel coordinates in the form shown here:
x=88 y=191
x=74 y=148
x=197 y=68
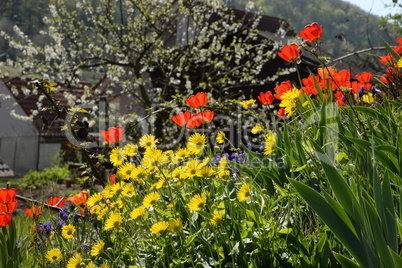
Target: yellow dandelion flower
x=196 y=143
x=247 y=103
x=53 y=255
x=95 y=200
x=220 y=137
x=198 y=202
x=130 y=149
x=117 y=188
x=217 y=217
x=244 y=193
x=150 y=199
x=148 y=141
x=177 y=173
x=128 y=190
x=102 y=213
x=159 y=184
x=103 y=265
x=191 y=168
x=171 y=205
x=159 y=227
x=114 y=221
x=182 y=153
x=137 y=212
x=269 y=143
x=140 y=174
x=205 y=172
x=256 y=129
x=116 y=205
x=125 y=171
x=74 y=261
x=96 y=209
x=153 y=158
x=175 y=225
x=289 y=100
x=108 y=191
x=67 y=231
x=170 y=156
x=117 y=156
x=97 y=248
x=90 y=265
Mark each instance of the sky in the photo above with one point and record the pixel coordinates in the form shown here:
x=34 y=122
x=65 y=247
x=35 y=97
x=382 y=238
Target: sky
x=377 y=7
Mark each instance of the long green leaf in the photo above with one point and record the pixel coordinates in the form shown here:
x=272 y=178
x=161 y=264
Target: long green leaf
x=332 y=220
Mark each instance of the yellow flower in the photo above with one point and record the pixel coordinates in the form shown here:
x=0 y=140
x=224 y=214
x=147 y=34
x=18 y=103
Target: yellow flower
x=117 y=156
x=67 y=231
x=368 y=98
x=198 y=202
x=116 y=205
x=192 y=167
x=217 y=217
x=102 y=213
x=150 y=199
x=148 y=141
x=96 y=209
x=108 y=191
x=153 y=158
x=103 y=265
x=399 y=63
x=130 y=149
x=247 y=103
x=53 y=255
x=159 y=227
x=114 y=221
x=220 y=137
x=90 y=265
x=97 y=248
x=244 y=193
x=159 y=184
x=128 y=190
x=289 y=100
x=137 y=212
x=196 y=143
x=269 y=143
x=95 y=200
x=140 y=174
x=178 y=173
x=182 y=153
x=75 y=261
x=256 y=129
x=125 y=171
x=205 y=172
x=175 y=225
x=222 y=168
x=117 y=188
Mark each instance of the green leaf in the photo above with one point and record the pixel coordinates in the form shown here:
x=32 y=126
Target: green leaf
x=345 y=262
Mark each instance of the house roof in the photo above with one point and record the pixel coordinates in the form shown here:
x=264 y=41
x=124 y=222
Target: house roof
x=45 y=121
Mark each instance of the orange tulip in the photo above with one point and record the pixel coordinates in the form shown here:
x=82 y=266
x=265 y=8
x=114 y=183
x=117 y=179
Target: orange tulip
x=34 y=212
x=312 y=33
x=57 y=201
x=182 y=118
x=387 y=59
x=364 y=77
x=266 y=98
x=113 y=134
x=289 y=53
x=80 y=199
x=198 y=100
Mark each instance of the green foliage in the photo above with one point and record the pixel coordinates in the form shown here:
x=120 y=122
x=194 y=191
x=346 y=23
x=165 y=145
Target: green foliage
x=35 y=179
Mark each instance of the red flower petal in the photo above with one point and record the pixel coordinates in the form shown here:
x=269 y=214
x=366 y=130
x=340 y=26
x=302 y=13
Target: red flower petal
x=57 y=201
x=5 y=219
x=182 y=118
x=289 y=53
x=198 y=100
x=312 y=33
x=266 y=98
x=113 y=134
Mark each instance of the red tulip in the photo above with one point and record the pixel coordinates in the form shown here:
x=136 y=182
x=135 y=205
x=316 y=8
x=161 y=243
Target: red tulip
x=399 y=40
x=266 y=98
x=198 y=100
x=312 y=33
x=281 y=112
x=7 y=200
x=387 y=59
x=57 y=201
x=289 y=53
x=364 y=77
x=182 y=118
x=113 y=179
x=199 y=118
x=34 y=212
x=113 y=134
x=5 y=219
x=282 y=88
